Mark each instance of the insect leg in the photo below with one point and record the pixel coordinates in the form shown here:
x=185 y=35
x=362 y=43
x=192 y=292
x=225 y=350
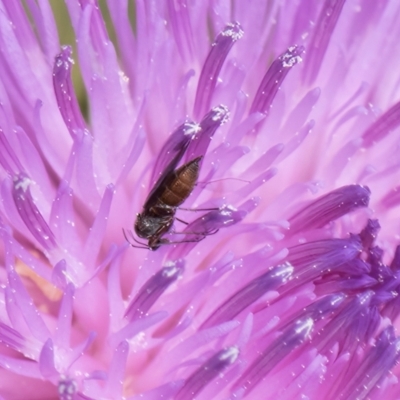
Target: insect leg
x=204 y=233
x=143 y=246
x=181 y=220
x=168 y=242
x=198 y=209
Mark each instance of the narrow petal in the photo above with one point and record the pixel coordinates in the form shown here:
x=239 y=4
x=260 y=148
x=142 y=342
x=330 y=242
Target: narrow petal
x=264 y=162
x=300 y=113
x=85 y=175
x=63 y=330
x=296 y=140
x=396 y=259
x=46 y=360
x=10 y=337
x=97 y=230
x=20 y=366
x=132 y=156
x=38 y=266
x=46 y=25
x=133 y=328
x=181 y=27
x=8 y=159
x=256 y=182
x=116 y=375
x=122 y=25
x=62 y=217
x=79 y=350
x=24 y=302
x=115 y=301
x=67 y=389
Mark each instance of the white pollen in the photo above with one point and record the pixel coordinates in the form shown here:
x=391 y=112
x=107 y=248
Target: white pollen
x=22 y=184
x=288 y=60
x=221 y=114
x=234 y=31
x=170 y=271
x=230 y=354
x=192 y=128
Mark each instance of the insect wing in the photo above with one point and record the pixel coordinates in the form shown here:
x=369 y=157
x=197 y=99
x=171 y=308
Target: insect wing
x=180 y=183
x=173 y=149
x=159 y=186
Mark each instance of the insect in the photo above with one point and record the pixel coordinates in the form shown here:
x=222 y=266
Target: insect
x=170 y=191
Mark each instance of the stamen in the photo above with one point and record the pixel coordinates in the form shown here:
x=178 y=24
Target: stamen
x=207 y=224
x=216 y=219
x=292 y=337
x=153 y=289
x=385 y=124
x=370 y=232
x=322 y=34
x=330 y=207
x=352 y=326
x=30 y=214
x=173 y=149
x=314 y=259
x=330 y=252
x=216 y=117
x=322 y=308
x=274 y=78
x=379 y=270
x=354 y=267
x=65 y=93
x=210 y=370
x=212 y=66
x=380 y=359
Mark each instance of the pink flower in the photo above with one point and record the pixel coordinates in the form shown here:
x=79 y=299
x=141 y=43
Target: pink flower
x=283 y=284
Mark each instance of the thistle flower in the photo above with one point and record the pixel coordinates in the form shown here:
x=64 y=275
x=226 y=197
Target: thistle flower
x=283 y=284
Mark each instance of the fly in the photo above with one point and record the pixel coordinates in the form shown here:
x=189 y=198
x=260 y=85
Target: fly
x=171 y=190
